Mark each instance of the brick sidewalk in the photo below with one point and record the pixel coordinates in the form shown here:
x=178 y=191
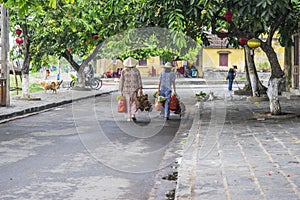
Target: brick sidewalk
x=237 y=151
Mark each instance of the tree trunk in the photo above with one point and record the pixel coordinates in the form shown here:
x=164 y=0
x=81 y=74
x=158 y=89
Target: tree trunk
x=25 y=86
x=248 y=84
x=276 y=80
x=256 y=86
x=276 y=71
x=275 y=108
x=288 y=67
x=26 y=63
x=80 y=77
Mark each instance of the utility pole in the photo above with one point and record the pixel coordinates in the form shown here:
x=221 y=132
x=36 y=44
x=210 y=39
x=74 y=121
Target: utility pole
x=4 y=68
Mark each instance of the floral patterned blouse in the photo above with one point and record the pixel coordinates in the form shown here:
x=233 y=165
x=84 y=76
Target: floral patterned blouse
x=130 y=80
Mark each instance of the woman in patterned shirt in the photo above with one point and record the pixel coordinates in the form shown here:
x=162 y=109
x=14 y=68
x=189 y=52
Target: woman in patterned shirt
x=166 y=81
x=130 y=83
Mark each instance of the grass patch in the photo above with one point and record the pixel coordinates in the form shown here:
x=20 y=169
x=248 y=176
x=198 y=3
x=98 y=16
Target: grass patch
x=33 y=87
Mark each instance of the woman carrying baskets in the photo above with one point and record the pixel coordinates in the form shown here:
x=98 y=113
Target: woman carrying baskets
x=130 y=83
x=166 y=81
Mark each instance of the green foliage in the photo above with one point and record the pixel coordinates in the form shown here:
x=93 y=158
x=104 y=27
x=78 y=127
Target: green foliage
x=53 y=27
x=56 y=26
x=264 y=66
x=73 y=77
x=180 y=17
x=200 y=94
x=194 y=18
x=155 y=94
x=145 y=42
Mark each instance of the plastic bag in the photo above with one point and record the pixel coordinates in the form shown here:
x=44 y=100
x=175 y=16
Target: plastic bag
x=122 y=105
x=158 y=105
x=174 y=103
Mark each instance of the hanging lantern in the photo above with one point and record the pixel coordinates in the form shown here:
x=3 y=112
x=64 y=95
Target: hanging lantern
x=95 y=37
x=19 y=41
x=243 y=41
x=253 y=43
x=222 y=31
x=228 y=15
x=18 y=32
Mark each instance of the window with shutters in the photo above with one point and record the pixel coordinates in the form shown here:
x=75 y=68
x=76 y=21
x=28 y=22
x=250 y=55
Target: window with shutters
x=223 y=59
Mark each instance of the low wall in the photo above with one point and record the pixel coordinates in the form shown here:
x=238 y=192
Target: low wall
x=263 y=76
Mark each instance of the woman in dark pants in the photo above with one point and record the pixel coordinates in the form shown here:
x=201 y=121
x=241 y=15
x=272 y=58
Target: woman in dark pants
x=166 y=82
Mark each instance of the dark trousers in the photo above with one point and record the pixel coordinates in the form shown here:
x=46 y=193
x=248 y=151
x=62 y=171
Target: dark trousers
x=230 y=82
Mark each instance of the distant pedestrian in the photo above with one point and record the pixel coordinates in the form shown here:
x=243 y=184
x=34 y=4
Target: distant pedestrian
x=166 y=82
x=47 y=73
x=231 y=76
x=130 y=83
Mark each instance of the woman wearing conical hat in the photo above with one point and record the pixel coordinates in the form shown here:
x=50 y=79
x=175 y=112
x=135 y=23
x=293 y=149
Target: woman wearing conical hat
x=130 y=82
x=166 y=82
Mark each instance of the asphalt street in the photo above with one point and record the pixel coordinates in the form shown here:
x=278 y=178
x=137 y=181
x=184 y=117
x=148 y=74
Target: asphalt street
x=86 y=150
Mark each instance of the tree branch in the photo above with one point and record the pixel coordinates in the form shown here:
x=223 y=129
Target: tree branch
x=275 y=26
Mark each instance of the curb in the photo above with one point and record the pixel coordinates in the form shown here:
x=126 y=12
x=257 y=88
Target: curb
x=187 y=167
x=33 y=110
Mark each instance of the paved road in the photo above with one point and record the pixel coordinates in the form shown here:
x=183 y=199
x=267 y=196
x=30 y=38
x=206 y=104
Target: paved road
x=85 y=150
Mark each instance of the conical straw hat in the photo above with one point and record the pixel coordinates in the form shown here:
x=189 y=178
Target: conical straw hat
x=130 y=62
x=168 y=65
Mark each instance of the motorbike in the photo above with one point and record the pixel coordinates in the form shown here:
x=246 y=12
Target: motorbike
x=94 y=83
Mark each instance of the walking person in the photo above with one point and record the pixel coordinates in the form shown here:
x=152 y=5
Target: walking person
x=166 y=82
x=231 y=76
x=130 y=83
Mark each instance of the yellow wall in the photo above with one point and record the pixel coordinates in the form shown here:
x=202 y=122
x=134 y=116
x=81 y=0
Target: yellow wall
x=236 y=57
x=211 y=59
x=260 y=56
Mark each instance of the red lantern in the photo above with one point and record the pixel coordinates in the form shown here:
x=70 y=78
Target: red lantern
x=228 y=15
x=243 y=41
x=95 y=37
x=19 y=41
x=222 y=31
x=18 y=32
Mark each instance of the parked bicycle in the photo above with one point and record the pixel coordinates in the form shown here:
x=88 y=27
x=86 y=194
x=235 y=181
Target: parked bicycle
x=94 y=83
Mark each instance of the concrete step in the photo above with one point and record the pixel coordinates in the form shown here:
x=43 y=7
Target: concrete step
x=291 y=95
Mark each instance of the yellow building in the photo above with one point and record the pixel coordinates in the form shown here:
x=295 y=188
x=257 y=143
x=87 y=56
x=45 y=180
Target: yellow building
x=219 y=57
